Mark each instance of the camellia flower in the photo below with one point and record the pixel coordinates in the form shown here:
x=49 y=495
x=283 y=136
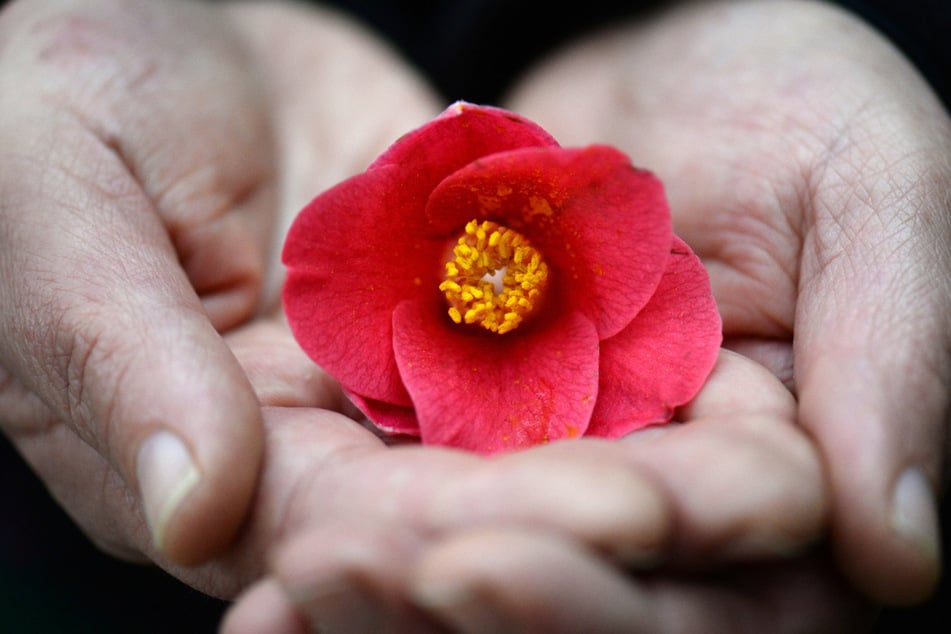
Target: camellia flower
x=480 y=286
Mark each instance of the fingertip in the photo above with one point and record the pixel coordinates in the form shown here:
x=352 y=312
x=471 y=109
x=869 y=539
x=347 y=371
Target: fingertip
x=885 y=526
x=910 y=567
x=891 y=564
x=914 y=518
x=167 y=474
x=263 y=609
x=206 y=507
x=737 y=384
x=228 y=281
x=198 y=465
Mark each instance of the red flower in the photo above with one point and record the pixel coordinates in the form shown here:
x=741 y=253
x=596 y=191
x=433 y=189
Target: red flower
x=482 y=287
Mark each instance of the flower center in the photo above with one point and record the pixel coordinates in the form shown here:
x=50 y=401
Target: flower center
x=494 y=278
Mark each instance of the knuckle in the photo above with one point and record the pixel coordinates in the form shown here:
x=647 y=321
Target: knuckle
x=86 y=374
x=22 y=413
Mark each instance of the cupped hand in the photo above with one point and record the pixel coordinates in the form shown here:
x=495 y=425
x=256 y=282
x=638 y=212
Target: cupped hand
x=409 y=538
x=807 y=163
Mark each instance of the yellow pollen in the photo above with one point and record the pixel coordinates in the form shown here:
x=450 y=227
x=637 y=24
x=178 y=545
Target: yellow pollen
x=494 y=278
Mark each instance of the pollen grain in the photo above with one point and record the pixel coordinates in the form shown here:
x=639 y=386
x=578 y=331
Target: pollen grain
x=494 y=278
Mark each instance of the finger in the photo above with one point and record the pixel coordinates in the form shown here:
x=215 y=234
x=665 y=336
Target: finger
x=350 y=577
x=738 y=386
x=323 y=470
x=633 y=500
x=263 y=609
x=581 y=488
x=281 y=373
x=586 y=489
x=509 y=581
x=744 y=482
x=105 y=206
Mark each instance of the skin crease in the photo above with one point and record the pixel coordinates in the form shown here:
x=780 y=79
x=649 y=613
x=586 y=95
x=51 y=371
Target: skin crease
x=176 y=213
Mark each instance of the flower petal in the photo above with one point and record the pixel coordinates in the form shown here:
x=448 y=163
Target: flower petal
x=461 y=134
x=662 y=358
x=353 y=254
x=602 y=225
x=391 y=419
x=490 y=393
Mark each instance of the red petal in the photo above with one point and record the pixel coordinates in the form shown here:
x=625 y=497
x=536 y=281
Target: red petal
x=490 y=393
x=353 y=254
x=392 y=419
x=662 y=358
x=602 y=225
x=460 y=135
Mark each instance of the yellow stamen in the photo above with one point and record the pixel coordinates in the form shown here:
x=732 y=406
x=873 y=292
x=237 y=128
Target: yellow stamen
x=495 y=277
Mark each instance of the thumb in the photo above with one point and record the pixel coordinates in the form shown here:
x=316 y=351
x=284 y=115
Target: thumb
x=102 y=324
x=105 y=328
x=873 y=358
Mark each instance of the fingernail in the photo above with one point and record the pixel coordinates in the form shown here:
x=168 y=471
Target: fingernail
x=914 y=513
x=166 y=475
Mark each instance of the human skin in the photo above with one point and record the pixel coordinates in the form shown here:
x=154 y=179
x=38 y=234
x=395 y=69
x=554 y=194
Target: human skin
x=167 y=145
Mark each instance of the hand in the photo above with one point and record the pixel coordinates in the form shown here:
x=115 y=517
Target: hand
x=140 y=205
x=539 y=540
x=807 y=163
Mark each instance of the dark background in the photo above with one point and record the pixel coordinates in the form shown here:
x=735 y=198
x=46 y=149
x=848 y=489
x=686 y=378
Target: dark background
x=53 y=580
x=472 y=49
